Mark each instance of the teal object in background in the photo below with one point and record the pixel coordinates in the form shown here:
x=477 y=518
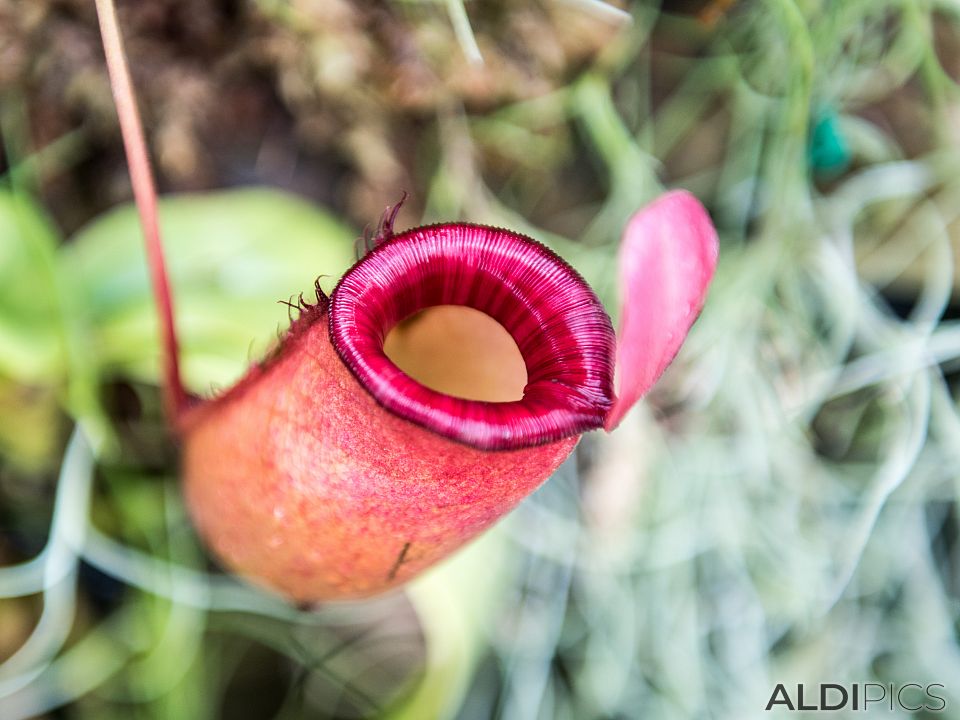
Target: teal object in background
x=829 y=153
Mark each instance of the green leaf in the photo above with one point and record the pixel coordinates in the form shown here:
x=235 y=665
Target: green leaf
x=30 y=347
x=231 y=257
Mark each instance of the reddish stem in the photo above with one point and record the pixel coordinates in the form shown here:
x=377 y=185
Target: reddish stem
x=145 y=194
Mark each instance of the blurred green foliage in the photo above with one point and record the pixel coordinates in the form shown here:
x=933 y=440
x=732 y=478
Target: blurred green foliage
x=30 y=348
x=74 y=314
x=232 y=256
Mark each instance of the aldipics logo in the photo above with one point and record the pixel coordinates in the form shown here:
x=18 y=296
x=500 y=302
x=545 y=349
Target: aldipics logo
x=827 y=697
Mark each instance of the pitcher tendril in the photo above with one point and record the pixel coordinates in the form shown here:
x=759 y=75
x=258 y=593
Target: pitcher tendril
x=145 y=195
